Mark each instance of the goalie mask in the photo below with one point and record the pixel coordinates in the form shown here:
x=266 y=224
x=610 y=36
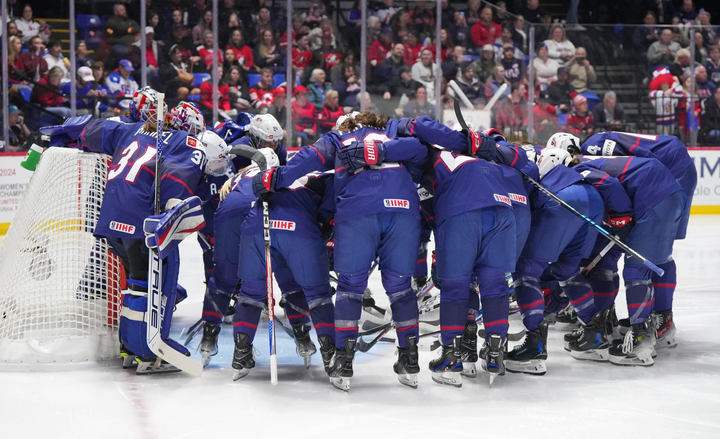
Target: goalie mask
x=565 y=141
x=551 y=157
x=143 y=107
x=186 y=117
x=217 y=153
x=265 y=131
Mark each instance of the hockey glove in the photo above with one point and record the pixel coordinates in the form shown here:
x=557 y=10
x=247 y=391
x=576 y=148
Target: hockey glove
x=620 y=224
x=264 y=182
x=481 y=145
x=495 y=134
x=359 y=155
x=167 y=230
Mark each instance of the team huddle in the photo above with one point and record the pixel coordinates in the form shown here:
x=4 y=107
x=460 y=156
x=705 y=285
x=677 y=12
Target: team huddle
x=509 y=223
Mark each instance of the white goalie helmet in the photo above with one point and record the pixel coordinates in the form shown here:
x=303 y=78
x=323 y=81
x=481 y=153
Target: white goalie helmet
x=187 y=117
x=565 y=141
x=217 y=153
x=551 y=157
x=143 y=107
x=265 y=131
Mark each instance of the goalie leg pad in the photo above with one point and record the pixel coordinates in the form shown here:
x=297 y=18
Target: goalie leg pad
x=167 y=230
x=133 y=324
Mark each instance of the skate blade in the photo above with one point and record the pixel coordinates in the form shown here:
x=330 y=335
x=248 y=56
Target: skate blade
x=531 y=367
x=306 y=360
x=448 y=378
x=644 y=360
x=601 y=355
x=342 y=383
x=128 y=361
x=240 y=374
x=206 y=360
x=469 y=370
x=492 y=378
x=567 y=327
x=146 y=368
x=409 y=379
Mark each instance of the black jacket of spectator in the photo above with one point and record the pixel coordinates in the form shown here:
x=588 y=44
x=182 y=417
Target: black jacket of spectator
x=663 y=11
x=388 y=72
x=169 y=78
x=641 y=44
x=600 y=120
x=407 y=88
x=710 y=117
x=560 y=93
x=475 y=92
x=532 y=15
x=450 y=68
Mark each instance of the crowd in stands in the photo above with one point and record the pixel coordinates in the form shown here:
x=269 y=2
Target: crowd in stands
x=485 y=48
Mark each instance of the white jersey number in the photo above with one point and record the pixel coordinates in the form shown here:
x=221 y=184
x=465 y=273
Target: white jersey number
x=136 y=166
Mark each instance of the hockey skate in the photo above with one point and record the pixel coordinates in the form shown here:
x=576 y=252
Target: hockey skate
x=305 y=347
x=591 y=342
x=637 y=347
x=665 y=330
x=128 y=358
x=340 y=369
x=447 y=369
x=209 y=344
x=148 y=365
x=492 y=356
x=531 y=355
x=327 y=350
x=566 y=319
x=243 y=356
x=406 y=367
x=469 y=355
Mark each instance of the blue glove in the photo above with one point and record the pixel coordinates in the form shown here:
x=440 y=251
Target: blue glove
x=264 y=182
x=359 y=155
x=481 y=145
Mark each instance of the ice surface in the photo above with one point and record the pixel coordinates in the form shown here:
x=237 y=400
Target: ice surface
x=679 y=397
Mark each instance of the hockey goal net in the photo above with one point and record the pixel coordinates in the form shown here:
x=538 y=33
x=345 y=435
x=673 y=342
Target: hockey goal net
x=59 y=284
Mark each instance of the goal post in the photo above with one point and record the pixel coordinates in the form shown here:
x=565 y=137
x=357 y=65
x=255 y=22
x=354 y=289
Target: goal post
x=59 y=284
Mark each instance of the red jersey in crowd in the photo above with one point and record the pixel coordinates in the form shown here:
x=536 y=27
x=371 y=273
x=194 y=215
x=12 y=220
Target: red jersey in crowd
x=330 y=117
x=482 y=35
x=306 y=113
x=331 y=57
x=301 y=58
x=412 y=54
x=206 y=96
x=578 y=124
x=513 y=115
x=244 y=56
x=207 y=54
x=261 y=97
x=43 y=94
x=378 y=52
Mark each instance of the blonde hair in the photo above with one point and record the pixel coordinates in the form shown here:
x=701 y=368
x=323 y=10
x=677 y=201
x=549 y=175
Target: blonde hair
x=557 y=26
x=329 y=95
x=681 y=52
x=12 y=55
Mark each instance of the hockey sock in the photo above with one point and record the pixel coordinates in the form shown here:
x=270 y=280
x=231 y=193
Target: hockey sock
x=664 y=286
x=639 y=293
x=495 y=299
x=473 y=305
x=554 y=300
x=576 y=287
x=220 y=289
x=403 y=303
x=250 y=304
x=296 y=308
x=453 y=309
x=319 y=300
x=348 y=306
x=605 y=285
x=529 y=295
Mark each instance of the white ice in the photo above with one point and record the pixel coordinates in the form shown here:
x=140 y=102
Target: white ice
x=679 y=397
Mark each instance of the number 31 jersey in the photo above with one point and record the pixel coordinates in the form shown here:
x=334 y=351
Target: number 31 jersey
x=130 y=191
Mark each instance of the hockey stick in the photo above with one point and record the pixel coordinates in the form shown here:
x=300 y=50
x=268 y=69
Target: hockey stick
x=597 y=259
x=270 y=295
x=156 y=304
x=541 y=188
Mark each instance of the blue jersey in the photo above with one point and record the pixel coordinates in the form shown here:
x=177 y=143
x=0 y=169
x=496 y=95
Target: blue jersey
x=209 y=188
x=668 y=150
x=130 y=191
x=385 y=188
x=646 y=181
x=230 y=131
x=610 y=188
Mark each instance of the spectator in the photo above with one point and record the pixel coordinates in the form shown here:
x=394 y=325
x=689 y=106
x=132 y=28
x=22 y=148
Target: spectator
x=422 y=18
x=401 y=27
x=204 y=25
x=664 y=50
x=542 y=30
x=496 y=80
x=331 y=110
x=424 y=73
x=176 y=78
x=325 y=29
x=348 y=87
x=318 y=88
x=580 y=121
x=12 y=30
x=664 y=10
x=329 y=54
x=16 y=68
x=473 y=12
x=710 y=120
x=412 y=49
x=301 y=55
x=514 y=68
x=206 y=51
x=407 y=86
x=681 y=67
x=153 y=56
x=120 y=83
x=501 y=15
x=545 y=68
x=239 y=94
x=679 y=32
x=386 y=11
x=485 y=31
x=243 y=52
x=687 y=12
x=315 y=16
x=582 y=73
x=180 y=36
x=512 y=117
x=268 y=53
x=559 y=47
x=297 y=28
x=451 y=67
x=83 y=87
x=35 y=65
x=459 y=30
x=519 y=36
x=665 y=95
x=506 y=40
x=226 y=9
x=381 y=47
x=483 y=66
x=261 y=93
x=47 y=94
x=704 y=87
x=683 y=110
x=545 y=118
x=532 y=11
x=389 y=70
x=701 y=53
x=710 y=32
x=54 y=57
x=28 y=27
x=712 y=65
x=278 y=107
x=369 y=105
x=609 y=115
x=305 y=115
x=419 y=106
x=206 y=97
x=337 y=73
x=471 y=87
x=121 y=30
x=229 y=60
x=645 y=35
x=18 y=132
x=172 y=17
x=447 y=14
x=81 y=55
x=446 y=45
x=197 y=10
x=561 y=91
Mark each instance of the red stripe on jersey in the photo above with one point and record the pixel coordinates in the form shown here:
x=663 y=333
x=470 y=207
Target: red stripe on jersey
x=318 y=153
x=622 y=176
x=179 y=181
x=601 y=180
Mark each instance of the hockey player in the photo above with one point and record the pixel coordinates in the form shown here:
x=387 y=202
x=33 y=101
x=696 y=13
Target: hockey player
x=473 y=218
x=673 y=154
x=142 y=107
x=377 y=215
x=657 y=201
